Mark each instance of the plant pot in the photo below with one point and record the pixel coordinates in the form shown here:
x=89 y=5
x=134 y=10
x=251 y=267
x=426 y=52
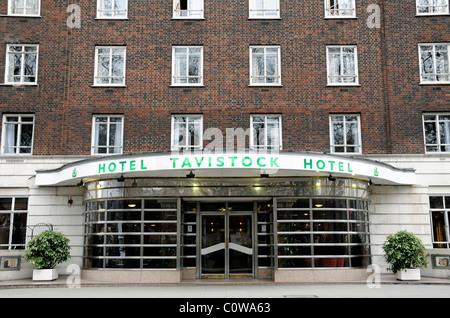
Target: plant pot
x=45 y=274
x=409 y=274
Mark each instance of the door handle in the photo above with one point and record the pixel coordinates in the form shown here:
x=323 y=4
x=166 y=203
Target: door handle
x=226 y=242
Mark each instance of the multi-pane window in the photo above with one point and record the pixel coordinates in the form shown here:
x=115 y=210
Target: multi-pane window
x=21 y=64
x=436 y=129
x=112 y=9
x=24 y=7
x=434 y=63
x=439 y=213
x=110 y=66
x=187 y=65
x=264 y=9
x=13 y=223
x=265 y=65
x=345 y=133
x=342 y=65
x=265 y=132
x=17 y=136
x=432 y=7
x=192 y=9
x=340 y=8
x=107 y=134
x=187 y=132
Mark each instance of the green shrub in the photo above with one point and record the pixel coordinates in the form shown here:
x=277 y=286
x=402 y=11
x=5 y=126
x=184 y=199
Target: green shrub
x=48 y=249
x=403 y=250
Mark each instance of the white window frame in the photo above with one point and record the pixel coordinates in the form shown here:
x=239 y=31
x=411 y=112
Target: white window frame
x=264 y=145
x=19 y=124
x=22 y=66
x=187 y=77
x=356 y=76
x=254 y=13
x=345 y=145
x=12 y=229
x=193 y=11
x=252 y=76
x=10 y=4
x=110 y=77
x=445 y=12
x=445 y=210
x=328 y=11
x=189 y=119
x=434 y=64
x=94 y=147
x=100 y=11
x=438 y=143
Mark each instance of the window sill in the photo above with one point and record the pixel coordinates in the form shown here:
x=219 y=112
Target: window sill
x=264 y=18
x=265 y=85
x=343 y=85
x=432 y=15
x=20 y=16
x=339 y=18
x=19 y=85
x=434 y=83
x=188 y=18
x=108 y=86
x=111 y=18
x=186 y=86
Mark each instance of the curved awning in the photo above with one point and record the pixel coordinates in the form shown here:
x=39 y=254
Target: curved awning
x=223 y=164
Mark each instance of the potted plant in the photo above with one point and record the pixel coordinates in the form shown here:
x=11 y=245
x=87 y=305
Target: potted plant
x=406 y=254
x=45 y=251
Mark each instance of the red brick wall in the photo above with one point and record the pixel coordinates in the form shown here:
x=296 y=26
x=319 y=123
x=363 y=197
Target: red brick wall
x=389 y=98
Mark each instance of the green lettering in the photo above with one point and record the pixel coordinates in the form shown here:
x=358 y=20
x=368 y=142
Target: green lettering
x=321 y=166
x=132 y=165
x=209 y=159
x=142 y=165
x=259 y=163
x=112 y=167
x=307 y=163
x=122 y=163
x=348 y=166
x=101 y=168
x=232 y=160
x=186 y=162
x=331 y=163
x=273 y=162
x=249 y=162
x=220 y=160
x=341 y=166
x=174 y=161
x=199 y=163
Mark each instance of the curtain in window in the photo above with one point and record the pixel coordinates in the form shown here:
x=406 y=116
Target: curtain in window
x=195 y=8
x=11 y=138
x=444 y=128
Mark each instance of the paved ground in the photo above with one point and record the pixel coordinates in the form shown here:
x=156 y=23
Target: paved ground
x=388 y=287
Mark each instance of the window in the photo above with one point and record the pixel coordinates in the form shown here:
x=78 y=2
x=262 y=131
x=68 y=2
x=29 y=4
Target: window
x=13 y=223
x=187 y=66
x=437 y=132
x=21 y=64
x=265 y=65
x=17 y=134
x=432 y=7
x=265 y=132
x=439 y=213
x=107 y=134
x=340 y=9
x=24 y=7
x=264 y=9
x=434 y=63
x=342 y=65
x=112 y=9
x=187 y=132
x=192 y=9
x=345 y=133
x=109 y=66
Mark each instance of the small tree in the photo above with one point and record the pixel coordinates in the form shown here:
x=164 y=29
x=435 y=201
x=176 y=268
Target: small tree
x=48 y=249
x=403 y=250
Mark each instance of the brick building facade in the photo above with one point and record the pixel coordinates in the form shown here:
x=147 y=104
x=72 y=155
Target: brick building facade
x=377 y=70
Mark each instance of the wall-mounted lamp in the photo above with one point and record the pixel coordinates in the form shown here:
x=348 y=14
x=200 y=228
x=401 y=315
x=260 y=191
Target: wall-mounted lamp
x=331 y=178
x=190 y=175
x=120 y=179
x=370 y=182
x=80 y=184
x=264 y=175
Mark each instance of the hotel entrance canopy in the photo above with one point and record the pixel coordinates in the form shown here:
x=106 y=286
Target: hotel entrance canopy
x=204 y=164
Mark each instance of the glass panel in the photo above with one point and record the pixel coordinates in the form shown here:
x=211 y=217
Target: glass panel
x=5 y=219
x=213 y=244
x=240 y=246
x=439 y=234
x=436 y=202
x=5 y=204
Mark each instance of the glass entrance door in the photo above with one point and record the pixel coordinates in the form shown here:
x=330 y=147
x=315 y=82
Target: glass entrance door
x=226 y=245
